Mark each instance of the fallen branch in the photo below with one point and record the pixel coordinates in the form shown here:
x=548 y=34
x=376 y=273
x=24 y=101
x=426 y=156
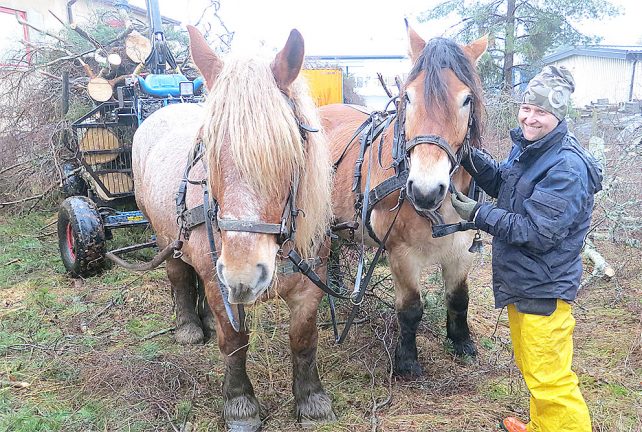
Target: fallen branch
x=158 y=333
x=31 y=198
x=16 y=384
x=601 y=267
x=9 y=168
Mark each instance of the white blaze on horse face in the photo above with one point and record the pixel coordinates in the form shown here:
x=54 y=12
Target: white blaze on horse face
x=247 y=261
x=429 y=173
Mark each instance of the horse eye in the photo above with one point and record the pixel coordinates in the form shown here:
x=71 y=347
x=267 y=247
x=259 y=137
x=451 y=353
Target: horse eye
x=468 y=100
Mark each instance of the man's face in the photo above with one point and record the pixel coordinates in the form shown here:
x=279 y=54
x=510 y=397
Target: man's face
x=535 y=122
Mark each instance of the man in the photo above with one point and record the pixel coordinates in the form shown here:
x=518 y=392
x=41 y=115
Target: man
x=544 y=192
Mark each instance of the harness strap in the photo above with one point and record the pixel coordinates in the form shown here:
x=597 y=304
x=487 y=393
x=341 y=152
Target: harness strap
x=386 y=187
x=214 y=255
x=248 y=226
x=309 y=272
x=434 y=140
x=446 y=229
x=363 y=283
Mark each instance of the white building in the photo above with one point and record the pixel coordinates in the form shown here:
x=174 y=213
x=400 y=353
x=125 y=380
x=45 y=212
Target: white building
x=602 y=72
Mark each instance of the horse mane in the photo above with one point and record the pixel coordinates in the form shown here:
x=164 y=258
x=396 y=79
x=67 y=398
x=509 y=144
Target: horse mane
x=250 y=117
x=440 y=53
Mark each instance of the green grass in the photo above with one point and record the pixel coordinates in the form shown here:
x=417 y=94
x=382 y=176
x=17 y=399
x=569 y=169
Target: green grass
x=25 y=251
x=79 y=347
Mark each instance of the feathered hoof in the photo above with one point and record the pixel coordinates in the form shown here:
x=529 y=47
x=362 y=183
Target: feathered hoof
x=465 y=348
x=314 y=410
x=408 y=369
x=189 y=334
x=242 y=414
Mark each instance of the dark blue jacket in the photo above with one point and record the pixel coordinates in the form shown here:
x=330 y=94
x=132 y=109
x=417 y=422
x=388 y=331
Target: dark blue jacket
x=544 y=192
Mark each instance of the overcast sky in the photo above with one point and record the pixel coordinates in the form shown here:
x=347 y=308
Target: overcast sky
x=359 y=26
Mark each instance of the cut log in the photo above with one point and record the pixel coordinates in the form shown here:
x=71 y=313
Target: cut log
x=117 y=182
x=98 y=139
x=137 y=47
x=114 y=59
x=99 y=89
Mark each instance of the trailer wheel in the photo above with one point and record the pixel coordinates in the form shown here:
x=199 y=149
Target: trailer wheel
x=81 y=236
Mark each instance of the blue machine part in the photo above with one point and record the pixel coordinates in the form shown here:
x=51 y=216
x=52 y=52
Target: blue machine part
x=165 y=85
x=125 y=218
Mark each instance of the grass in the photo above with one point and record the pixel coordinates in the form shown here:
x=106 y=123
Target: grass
x=80 y=347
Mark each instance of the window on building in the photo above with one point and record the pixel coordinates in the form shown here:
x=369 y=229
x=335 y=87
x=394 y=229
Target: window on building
x=12 y=51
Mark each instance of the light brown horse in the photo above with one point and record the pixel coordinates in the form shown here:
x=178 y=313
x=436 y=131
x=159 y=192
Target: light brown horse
x=441 y=89
x=255 y=149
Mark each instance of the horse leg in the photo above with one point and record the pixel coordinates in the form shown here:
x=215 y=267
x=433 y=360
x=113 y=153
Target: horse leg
x=409 y=307
x=312 y=402
x=241 y=407
x=183 y=279
x=454 y=274
x=205 y=311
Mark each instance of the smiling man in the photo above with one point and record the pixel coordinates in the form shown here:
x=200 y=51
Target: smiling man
x=544 y=192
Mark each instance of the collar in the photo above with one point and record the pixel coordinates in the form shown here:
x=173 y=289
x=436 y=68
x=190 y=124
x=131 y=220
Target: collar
x=534 y=148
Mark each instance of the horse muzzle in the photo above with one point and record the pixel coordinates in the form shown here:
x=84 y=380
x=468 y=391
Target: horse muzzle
x=245 y=284
x=426 y=198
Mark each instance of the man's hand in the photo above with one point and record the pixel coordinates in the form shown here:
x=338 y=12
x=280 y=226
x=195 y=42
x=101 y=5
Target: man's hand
x=465 y=207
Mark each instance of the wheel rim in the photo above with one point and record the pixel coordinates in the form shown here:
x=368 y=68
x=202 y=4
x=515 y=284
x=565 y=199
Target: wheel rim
x=71 y=243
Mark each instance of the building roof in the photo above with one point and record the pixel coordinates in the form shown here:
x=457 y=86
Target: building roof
x=623 y=52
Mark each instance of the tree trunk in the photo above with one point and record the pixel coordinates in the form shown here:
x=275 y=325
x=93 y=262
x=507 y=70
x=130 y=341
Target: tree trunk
x=509 y=46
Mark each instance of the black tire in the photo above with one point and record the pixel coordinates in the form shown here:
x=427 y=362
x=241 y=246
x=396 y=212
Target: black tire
x=72 y=183
x=81 y=236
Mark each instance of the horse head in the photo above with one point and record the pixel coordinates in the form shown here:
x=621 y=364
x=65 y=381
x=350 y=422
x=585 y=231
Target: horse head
x=256 y=152
x=443 y=109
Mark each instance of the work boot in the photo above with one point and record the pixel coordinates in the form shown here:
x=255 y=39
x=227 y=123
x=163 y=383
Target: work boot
x=511 y=424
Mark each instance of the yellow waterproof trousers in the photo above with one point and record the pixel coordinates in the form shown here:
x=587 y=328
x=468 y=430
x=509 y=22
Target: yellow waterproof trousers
x=543 y=347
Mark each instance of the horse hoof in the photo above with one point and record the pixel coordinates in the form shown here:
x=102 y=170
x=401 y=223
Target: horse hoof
x=408 y=369
x=242 y=414
x=465 y=348
x=251 y=425
x=189 y=334
x=317 y=408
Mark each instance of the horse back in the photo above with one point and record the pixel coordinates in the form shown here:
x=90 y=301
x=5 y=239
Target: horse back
x=161 y=147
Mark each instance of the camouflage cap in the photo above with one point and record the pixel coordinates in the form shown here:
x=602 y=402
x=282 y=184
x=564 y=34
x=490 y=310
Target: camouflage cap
x=551 y=90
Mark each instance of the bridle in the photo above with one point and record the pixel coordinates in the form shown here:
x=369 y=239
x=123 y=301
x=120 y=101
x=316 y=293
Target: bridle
x=208 y=214
x=405 y=147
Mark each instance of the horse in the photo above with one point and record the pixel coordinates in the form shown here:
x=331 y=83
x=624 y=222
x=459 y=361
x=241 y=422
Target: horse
x=440 y=106
x=257 y=128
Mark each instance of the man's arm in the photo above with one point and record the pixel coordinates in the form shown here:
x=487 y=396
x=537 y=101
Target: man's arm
x=485 y=170
x=550 y=213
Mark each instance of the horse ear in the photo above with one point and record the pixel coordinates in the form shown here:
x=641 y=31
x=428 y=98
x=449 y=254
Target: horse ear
x=207 y=62
x=287 y=63
x=475 y=49
x=416 y=42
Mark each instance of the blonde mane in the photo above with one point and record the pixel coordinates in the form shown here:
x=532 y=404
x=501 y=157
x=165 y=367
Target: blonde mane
x=249 y=117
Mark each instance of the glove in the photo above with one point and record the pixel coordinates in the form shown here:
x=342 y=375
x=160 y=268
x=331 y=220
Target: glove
x=465 y=207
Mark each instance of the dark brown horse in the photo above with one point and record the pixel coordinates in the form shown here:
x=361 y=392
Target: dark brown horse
x=255 y=149
x=439 y=94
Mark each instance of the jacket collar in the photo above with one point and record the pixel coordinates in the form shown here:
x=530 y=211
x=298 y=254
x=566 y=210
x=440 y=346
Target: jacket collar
x=535 y=148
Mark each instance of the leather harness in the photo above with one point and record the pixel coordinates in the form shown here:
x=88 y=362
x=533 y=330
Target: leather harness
x=207 y=213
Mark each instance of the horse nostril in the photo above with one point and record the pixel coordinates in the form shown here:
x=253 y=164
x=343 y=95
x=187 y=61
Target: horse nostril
x=263 y=272
x=442 y=190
